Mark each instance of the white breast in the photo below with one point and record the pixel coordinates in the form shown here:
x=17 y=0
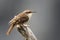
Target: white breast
x=29 y=15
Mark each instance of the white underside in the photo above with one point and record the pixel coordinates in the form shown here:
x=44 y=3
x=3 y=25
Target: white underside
x=29 y=15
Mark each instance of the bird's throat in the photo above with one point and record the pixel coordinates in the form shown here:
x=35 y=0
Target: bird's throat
x=29 y=15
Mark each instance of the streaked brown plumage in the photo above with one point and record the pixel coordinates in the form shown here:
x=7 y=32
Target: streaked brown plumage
x=20 y=21
x=21 y=18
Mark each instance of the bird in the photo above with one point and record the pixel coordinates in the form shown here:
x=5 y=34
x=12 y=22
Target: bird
x=19 y=19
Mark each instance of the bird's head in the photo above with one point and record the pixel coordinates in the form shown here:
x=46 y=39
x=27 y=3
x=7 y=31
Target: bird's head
x=28 y=12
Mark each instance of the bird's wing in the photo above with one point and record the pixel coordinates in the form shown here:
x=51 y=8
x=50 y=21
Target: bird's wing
x=12 y=24
x=17 y=17
x=13 y=20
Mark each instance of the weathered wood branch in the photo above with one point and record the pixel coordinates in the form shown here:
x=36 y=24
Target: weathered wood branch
x=27 y=32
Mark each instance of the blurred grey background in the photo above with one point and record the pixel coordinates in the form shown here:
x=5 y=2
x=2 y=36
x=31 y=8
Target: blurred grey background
x=45 y=23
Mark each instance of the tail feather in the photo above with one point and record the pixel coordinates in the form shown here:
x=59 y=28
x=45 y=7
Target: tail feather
x=10 y=29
